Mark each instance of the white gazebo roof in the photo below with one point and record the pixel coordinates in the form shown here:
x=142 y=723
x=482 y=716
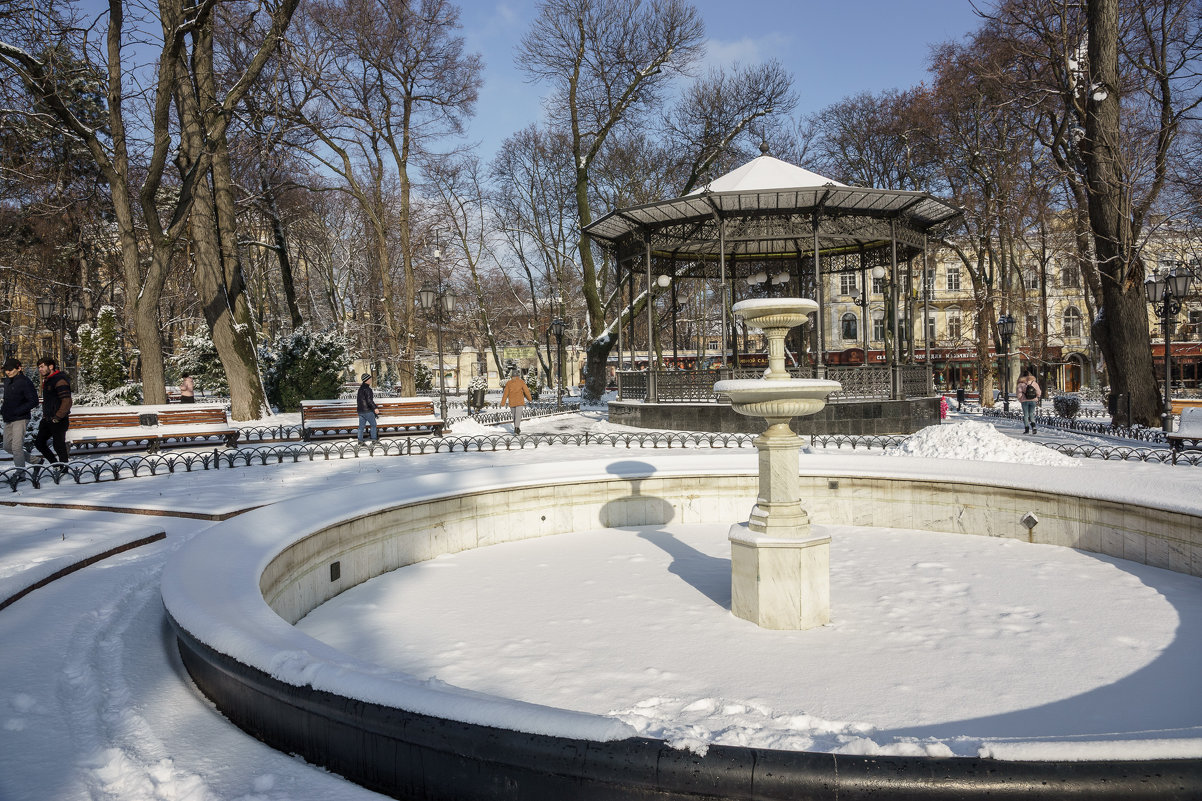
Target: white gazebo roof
x=763 y=174
x=768 y=208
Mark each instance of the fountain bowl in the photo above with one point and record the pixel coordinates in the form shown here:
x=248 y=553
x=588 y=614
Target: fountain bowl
x=774 y=398
x=775 y=312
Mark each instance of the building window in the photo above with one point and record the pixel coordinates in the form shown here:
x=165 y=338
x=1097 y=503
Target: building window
x=1031 y=276
x=929 y=284
x=953 y=278
x=878 y=285
x=850 y=327
x=1070 y=276
x=878 y=329
x=1072 y=323
x=1194 y=317
x=931 y=328
x=954 y=327
x=847 y=283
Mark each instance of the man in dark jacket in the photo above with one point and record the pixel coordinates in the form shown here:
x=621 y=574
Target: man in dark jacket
x=20 y=397
x=56 y=410
x=365 y=404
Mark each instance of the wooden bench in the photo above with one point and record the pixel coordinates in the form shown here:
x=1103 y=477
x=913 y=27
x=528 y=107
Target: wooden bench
x=152 y=425
x=395 y=415
x=1188 y=430
x=1178 y=405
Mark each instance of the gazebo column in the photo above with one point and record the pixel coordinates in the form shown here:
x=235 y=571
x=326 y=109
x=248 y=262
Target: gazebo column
x=618 y=371
x=652 y=389
x=894 y=369
x=820 y=316
x=722 y=282
x=928 y=286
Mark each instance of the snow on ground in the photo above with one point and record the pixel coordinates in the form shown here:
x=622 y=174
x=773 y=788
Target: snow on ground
x=94 y=703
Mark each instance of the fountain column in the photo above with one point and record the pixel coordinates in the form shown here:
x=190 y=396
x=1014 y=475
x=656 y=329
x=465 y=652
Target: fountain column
x=780 y=573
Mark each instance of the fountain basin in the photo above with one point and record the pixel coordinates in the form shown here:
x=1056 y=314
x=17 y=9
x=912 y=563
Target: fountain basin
x=777 y=397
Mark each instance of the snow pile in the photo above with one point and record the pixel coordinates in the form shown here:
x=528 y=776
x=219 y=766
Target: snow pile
x=977 y=442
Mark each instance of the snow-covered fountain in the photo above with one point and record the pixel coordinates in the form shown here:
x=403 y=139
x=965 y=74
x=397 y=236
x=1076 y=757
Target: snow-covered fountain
x=780 y=573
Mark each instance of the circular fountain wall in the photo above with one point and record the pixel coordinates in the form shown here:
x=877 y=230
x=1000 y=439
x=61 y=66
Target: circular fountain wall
x=233 y=593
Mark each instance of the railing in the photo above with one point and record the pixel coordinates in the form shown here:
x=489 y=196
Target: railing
x=120 y=467
x=697 y=386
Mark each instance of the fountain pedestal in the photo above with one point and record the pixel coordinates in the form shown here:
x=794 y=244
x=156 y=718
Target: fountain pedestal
x=780 y=574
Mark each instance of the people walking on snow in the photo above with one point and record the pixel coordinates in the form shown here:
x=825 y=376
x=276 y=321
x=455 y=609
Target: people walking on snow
x=56 y=411
x=20 y=398
x=515 y=395
x=365 y=404
x=1028 y=392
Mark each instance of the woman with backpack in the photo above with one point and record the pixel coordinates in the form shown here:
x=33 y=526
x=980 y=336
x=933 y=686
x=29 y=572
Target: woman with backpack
x=1028 y=392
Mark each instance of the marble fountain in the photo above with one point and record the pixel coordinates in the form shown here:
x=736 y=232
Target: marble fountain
x=234 y=594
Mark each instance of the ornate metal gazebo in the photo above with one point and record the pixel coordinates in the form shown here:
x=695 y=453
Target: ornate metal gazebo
x=770 y=217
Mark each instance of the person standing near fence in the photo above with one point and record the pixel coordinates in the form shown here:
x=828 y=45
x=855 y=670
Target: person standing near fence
x=365 y=404
x=1028 y=392
x=20 y=398
x=56 y=411
x=187 y=389
x=515 y=395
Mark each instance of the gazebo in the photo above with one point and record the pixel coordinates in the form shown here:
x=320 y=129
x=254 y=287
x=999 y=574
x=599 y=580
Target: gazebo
x=771 y=218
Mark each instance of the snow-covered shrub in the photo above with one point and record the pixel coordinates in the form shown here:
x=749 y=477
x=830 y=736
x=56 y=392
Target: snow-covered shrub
x=303 y=365
x=101 y=362
x=1067 y=405
x=423 y=377
x=536 y=385
x=197 y=355
x=128 y=394
x=477 y=383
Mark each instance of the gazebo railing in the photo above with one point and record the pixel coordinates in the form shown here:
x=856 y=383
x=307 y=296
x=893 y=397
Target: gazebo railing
x=697 y=386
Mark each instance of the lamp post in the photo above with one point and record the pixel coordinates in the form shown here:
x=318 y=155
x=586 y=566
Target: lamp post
x=438 y=301
x=1005 y=328
x=557 y=330
x=73 y=312
x=1165 y=293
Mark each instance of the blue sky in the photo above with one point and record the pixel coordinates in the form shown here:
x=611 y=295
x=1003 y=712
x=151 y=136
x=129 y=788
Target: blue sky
x=834 y=48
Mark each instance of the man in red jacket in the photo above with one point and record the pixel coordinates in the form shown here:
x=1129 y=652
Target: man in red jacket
x=56 y=410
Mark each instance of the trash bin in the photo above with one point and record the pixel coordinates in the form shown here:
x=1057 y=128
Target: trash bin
x=960 y=399
x=477 y=399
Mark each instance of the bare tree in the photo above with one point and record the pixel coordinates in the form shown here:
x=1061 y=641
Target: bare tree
x=608 y=65
x=163 y=226
x=383 y=81
x=1116 y=81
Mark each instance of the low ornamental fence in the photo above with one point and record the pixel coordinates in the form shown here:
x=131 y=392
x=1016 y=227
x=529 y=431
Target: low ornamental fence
x=697 y=386
x=1154 y=435
x=122 y=466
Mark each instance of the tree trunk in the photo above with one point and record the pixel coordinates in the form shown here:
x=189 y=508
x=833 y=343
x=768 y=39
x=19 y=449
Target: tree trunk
x=1121 y=330
x=280 y=242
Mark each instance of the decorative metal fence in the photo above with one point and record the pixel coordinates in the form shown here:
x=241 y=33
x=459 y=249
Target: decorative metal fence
x=124 y=466
x=697 y=386
x=1155 y=435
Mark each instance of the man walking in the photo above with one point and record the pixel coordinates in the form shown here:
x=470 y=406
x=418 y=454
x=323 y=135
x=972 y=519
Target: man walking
x=56 y=410
x=515 y=395
x=20 y=398
x=365 y=404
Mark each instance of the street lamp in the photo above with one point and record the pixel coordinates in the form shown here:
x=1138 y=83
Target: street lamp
x=72 y=313
x=1165 y=293
x=1005 y=328
x=438 y=302
x=557 y=330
